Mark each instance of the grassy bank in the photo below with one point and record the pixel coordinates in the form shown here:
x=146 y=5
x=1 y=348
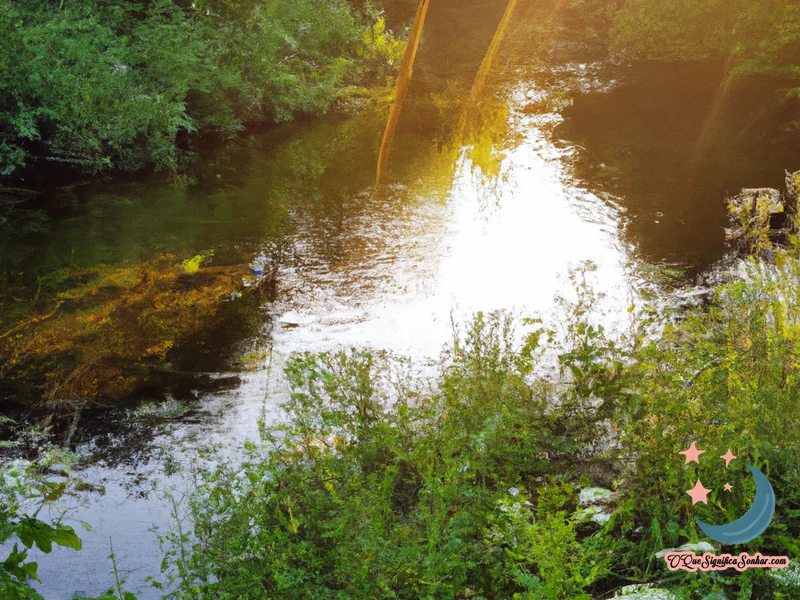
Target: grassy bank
x=385 y=484
x=538 y=462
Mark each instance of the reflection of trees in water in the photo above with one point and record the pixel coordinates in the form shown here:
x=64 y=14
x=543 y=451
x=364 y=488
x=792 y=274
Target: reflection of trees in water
x=450 y=108
x=640 y=141
x=403 y=80
x=457 y=105
x=128 y=436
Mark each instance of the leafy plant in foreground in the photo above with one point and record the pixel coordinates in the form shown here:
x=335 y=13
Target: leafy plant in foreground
x=20 y=488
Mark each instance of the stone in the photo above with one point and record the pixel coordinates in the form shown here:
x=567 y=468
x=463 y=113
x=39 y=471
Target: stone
x=594 y=499
x=698 y=548
x=595 y=514
x=645 y=592
x=596 y=495
x=759 y=217
x=769 y=198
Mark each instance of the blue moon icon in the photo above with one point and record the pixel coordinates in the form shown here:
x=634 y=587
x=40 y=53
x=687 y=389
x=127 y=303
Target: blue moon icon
x=753 y=523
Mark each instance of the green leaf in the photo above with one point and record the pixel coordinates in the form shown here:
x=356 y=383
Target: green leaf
x=32 y=531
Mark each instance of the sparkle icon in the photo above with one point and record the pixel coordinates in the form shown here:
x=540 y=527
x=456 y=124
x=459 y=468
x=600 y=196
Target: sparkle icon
x=692 y=454
x=698 y=493
x=728 y=457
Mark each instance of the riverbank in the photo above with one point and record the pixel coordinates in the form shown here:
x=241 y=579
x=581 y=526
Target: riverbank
x=537 y=458
x=482 y=481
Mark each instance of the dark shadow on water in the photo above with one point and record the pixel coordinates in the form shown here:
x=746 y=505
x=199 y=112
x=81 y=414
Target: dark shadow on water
x=670 y=144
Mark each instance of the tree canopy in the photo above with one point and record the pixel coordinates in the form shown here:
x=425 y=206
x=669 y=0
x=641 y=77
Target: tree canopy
x=113 y=83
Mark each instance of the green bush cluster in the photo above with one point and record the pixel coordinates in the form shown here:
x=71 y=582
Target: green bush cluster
x=378 y=488
x=752 y=37
x=387 y=484
x=727 y=376
x=99 y=84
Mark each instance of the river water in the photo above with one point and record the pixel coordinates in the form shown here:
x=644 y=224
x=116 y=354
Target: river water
x=571 y=157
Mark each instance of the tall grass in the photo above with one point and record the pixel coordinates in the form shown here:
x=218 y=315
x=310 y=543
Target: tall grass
x=386 y=484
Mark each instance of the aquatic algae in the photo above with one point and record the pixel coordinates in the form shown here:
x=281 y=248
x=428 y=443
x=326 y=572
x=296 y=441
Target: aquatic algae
x=102 y=339
x=192 y=265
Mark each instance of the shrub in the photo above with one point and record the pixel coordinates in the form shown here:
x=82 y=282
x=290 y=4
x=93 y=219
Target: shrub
x=386 y=484
x=99 y=84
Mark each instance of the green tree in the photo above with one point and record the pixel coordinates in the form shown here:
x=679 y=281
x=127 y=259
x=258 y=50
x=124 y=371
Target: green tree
x=103 y=84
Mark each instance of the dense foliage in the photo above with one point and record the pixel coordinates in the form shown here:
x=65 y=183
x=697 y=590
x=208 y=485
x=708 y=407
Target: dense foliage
x=120 y=83
x=386 y=484
x=100 y=84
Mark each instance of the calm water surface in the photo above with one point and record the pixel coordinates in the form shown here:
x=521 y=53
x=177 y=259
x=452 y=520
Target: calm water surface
x=631 y=174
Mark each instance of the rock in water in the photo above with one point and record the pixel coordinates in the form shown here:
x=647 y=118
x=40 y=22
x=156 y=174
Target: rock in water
x=755 y=214
x=759 y=200
x=763 y=217
x=792 y=192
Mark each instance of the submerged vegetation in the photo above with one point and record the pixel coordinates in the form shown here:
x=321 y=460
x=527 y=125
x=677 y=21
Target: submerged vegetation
x=103 y=338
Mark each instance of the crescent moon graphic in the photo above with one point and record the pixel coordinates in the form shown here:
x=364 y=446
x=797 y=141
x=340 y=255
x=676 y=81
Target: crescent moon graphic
x=753 y=523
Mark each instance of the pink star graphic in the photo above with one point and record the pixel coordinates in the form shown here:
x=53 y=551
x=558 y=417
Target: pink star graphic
x=728 y=487
x=692 y=454
x=698 y=493
x=728 y=457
